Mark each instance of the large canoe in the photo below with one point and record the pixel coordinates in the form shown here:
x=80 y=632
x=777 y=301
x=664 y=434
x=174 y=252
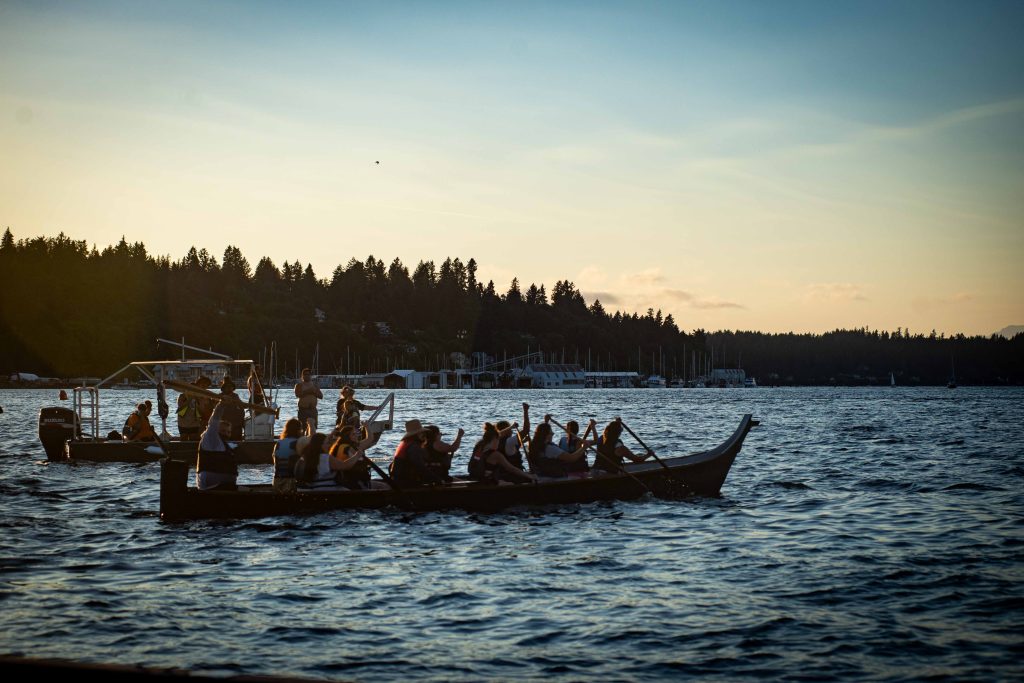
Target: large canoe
x=696 y=474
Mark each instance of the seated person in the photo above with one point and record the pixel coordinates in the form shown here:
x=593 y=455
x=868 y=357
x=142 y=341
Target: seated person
x=611 y=453
x=571 y=442
x=137 y=427
x=317 y=468
x=547 y=459
x=409 y=466
x=216 y=468
x=345 y=447
x=286 y=453
x=487 y=464
x=511 y=438
x=438 y=453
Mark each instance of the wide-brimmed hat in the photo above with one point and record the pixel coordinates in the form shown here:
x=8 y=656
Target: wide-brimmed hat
x=203 y=381
x=413 y=428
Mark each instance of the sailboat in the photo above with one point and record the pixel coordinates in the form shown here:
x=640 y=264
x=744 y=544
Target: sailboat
x=951 y=384
x=892 y=380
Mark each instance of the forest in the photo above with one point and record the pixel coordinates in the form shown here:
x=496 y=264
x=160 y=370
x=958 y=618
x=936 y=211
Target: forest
x=71 y=310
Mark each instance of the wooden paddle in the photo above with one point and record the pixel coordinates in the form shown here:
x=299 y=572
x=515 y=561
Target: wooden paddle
x=186 y=388
x=621 y=467
x=649 y=451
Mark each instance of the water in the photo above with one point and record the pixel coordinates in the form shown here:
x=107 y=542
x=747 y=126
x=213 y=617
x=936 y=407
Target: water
x=862 y=534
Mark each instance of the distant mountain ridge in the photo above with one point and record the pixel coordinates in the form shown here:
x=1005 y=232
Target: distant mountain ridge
x=1011 y=331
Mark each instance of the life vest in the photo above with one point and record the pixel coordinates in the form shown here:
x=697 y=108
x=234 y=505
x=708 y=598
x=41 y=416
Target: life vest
x=137 y=428
x=479 y=468
x=324 y=477
x=401 y=469
x=188 y=413
x=284 y=458
x=549 y=467
x=439 y=462
x=606 y=458
x=573 y=444
x=219 y=462
x=516 y=459
x=357 y=476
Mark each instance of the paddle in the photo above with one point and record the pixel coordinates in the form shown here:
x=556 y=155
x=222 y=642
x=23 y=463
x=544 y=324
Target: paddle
x=186 y=388
x=649 y=451
x=621 y=467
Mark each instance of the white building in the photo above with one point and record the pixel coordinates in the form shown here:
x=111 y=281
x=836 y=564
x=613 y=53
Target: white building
x=555 y=375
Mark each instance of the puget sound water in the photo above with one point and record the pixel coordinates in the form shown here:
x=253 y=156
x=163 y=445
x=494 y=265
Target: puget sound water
x=863 y=534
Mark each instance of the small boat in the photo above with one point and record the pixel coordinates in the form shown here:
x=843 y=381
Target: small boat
x=700 y=474
x=656 y=382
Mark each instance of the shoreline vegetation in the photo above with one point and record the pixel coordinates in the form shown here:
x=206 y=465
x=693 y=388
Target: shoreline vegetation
x=69 y=310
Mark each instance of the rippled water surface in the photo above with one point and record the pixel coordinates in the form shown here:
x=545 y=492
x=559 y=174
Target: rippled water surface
x=862 y=534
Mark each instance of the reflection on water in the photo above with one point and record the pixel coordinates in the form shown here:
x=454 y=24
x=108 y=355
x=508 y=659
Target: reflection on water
x=862 y=533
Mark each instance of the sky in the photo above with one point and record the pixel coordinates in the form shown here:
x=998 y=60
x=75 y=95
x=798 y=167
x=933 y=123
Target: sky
x=780 y=166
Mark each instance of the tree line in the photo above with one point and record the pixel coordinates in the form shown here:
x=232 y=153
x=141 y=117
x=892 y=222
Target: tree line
x=68 y=309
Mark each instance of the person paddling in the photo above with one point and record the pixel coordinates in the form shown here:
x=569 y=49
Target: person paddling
x=489 y=465
x=547 y=459
x=611 y=453
x=409 y=466
x=438 y=453
x=285 y=455
x=345 y=447
x=570 y=443
x=216 y=469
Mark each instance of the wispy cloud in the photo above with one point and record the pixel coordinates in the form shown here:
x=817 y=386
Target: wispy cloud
x=833 y=292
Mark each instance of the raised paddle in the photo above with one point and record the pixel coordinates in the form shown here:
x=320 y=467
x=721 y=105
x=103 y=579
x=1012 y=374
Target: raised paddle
x=621 y=467
x=186 y=388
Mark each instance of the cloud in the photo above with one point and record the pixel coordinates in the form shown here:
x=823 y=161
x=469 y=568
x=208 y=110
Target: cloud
x=922 y=303
x=834 y=291
x=714 y=303
x=607 y=298
x=645 y=278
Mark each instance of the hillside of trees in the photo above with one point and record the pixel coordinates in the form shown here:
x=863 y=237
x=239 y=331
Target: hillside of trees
x=68 y=309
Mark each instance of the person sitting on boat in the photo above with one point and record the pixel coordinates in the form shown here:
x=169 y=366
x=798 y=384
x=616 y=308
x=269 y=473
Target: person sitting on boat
x=345 y=447
x=316 y=468
x=409 y=466
x=285 y=455
x=611 y=453
x=189 y=424
x=438 y=453
x=233 y=411
x=570 y=443
x=137 y=427
x=255 y=386
x=308 y=393
x=216 y=468
x=547 y=459
x=488 y=464
x=511 y=438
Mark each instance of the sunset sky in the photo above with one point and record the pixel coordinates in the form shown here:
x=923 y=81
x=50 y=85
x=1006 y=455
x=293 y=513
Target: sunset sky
x=764 y=166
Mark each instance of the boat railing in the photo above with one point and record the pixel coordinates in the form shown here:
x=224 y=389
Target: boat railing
x=375 y=426
x=87 y=408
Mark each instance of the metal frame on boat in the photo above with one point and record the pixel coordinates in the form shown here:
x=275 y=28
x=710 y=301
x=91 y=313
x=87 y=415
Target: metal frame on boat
x=700 y=473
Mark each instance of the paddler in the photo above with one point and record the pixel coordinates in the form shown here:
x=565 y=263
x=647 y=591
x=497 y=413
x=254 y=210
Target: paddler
x=137 y=427
x=216 y=468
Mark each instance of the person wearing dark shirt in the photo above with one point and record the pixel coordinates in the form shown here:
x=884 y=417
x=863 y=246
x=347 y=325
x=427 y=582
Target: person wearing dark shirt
x=409 y=466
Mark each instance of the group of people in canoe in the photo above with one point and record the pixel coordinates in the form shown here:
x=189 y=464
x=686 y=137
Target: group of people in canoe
x=505 y=453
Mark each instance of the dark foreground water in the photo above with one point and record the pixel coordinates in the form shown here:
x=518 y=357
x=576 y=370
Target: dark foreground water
x=862 y=534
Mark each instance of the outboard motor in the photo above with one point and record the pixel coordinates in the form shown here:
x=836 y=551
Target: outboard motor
x=57 y=425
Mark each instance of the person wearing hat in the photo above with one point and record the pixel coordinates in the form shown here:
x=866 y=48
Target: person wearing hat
x=189 y=420
x=233 y=411
x=137 y=427
x=409 y=466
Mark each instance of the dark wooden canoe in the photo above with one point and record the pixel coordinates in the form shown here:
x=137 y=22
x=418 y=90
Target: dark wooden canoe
x=697 y=474
x=255 y=452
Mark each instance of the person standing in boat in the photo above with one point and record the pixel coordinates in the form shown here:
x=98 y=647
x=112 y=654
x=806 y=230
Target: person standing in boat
x=234 y=413
x=137 y=427
x=409 y=466
x=216 y=469
x=308 y=393
x=254 y=384
x=349 y=406
x=189 y=424
x=487 y=464
x=205 y=405
x=438 y=453
x=285 y=455
x=611 y=453
x=547 y=459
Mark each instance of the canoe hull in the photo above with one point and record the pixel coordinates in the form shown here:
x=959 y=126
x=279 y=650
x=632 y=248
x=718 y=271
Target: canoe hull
x=256 y=452
x=697 y=474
